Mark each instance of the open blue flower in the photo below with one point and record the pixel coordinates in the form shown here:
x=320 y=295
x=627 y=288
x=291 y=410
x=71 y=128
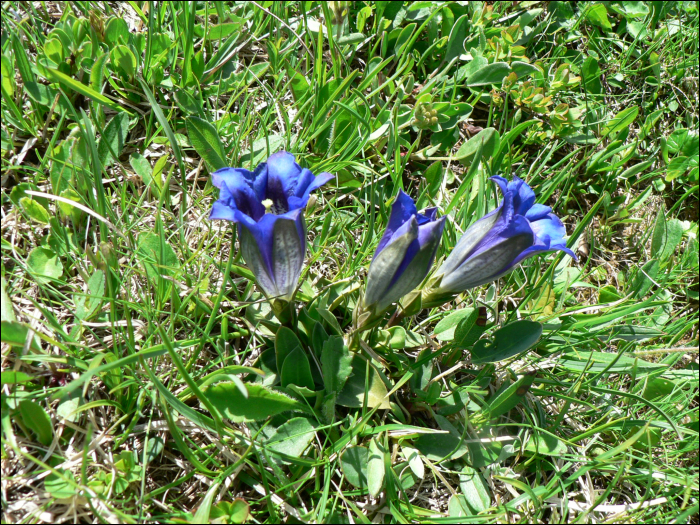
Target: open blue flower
x=495 y=244
x=268 y=204
x=404 y=254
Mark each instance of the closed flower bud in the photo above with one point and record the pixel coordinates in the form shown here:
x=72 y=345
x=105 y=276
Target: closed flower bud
x=404 y=254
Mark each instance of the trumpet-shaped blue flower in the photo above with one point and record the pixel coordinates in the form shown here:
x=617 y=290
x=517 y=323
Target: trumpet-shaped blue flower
x=268 y=204
x=404 y=254
x=495 y=244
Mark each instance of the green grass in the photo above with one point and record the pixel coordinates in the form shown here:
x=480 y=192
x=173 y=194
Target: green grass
x=130 y=323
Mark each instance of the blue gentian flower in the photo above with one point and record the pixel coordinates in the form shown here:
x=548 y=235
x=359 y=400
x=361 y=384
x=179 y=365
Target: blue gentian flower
x=404 y=254
x=495 y=244
x=268 y=204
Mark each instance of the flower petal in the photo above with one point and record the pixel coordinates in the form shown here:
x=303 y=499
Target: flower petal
x=259 y=177
x=523 y=196
x=416 y=264
x=304 y=181
x=236 y=192
x=301 y=197
x=506 y=205
x=256 y=249
x=492 y=263
x=427 y=215
x=282 y=176
x=231 y=176
x=287 y=256
x=386 y=262
x=549 y=236
x=468 y=241
x=549 y=228
x=402 y=210
x=220 y=211
x=537 y=212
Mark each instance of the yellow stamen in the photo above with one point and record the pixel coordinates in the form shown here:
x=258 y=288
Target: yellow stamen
x=268 y=204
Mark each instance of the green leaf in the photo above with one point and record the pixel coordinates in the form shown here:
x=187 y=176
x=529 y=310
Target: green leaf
x=608 y=294
x=286 y=342
x=113 y=139
x=597 y=15
x=12 y=377
x=621 y=121
x=491 y=74
x=236 y=511
x=433 y=176
x=546 y=445
x=260 y=150
x=58 y=484
x=8 y=314
x=490 y=140
x=353 y=462
x=455 y=43
x=116 y=31
x=628 y=332
x=353 y=393
x=443 y=444
x=68 y=406
x=375 y=469
x=296 y=370
x=445 y=329
x=645 y=278
x=44 y=265
x=298 y=84
x=124 y=61
x=260 y=404
x=590 y=74
x=511 y=396
x=475 y=490
x=682 y=141
x=457 y=506
x=512 y=339
x=414 y=460
x=292 y=437
x=597 y=362
x=336 y=364
x=206 y=142
x=87 y=305
x=56 y=76
x=37 y=420
x=667 y=235
x=141 y=166
x=16 y=334
x=219 y=31
x=74 y=213
x=53 y=49
x=523 y=69
x=35 y=210
x=7 y=77
x=191 y=105
x=468 y=331
x=158 y=258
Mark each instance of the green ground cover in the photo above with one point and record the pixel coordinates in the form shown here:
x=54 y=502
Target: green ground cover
x=145 y=376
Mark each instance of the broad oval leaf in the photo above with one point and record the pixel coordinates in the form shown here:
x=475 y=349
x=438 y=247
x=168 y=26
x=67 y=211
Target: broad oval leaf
x=508 y=341
x=261 y=403
x=206 y=142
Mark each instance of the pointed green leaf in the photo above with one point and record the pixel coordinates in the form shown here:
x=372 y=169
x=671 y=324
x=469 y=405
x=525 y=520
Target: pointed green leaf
x=69 y=82
x=511 y=340
x=336 y=364
x=261 y=403
x=205 y=140
x=296 y=370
